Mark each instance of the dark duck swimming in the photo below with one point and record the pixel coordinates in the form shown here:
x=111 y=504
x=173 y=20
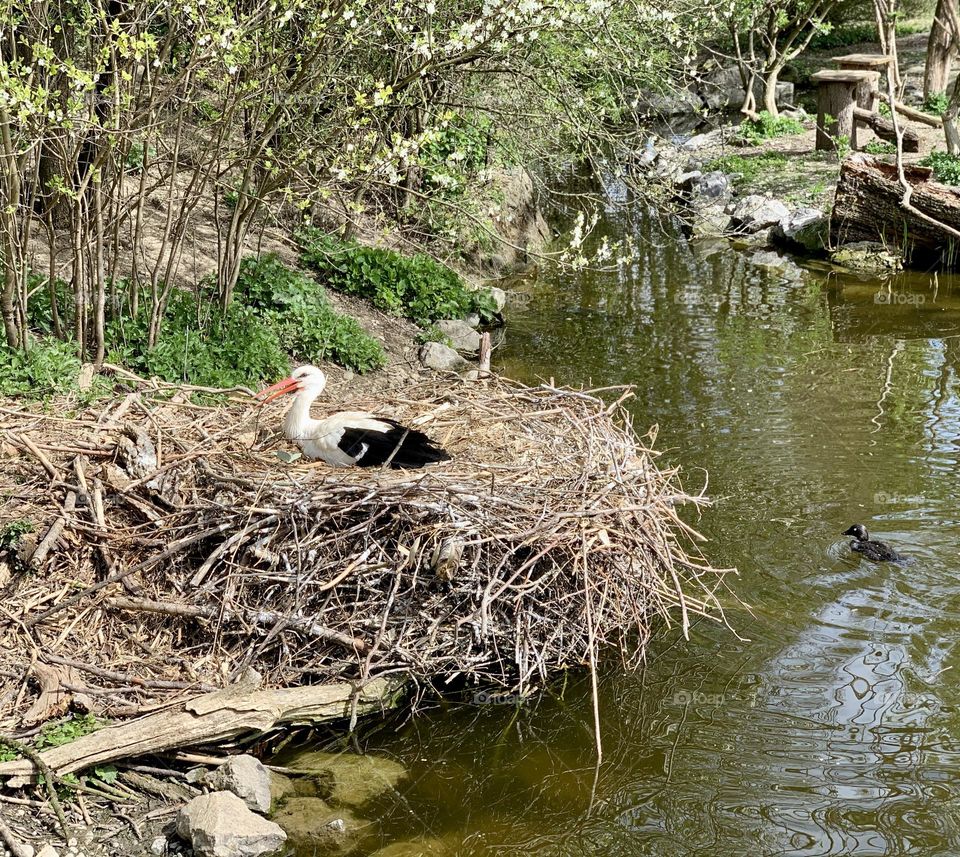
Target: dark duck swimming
x=871 y=549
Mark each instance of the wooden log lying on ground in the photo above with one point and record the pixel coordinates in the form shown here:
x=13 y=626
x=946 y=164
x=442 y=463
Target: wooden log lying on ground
x=868 y=207
x=915 y=115
x=212 y=717
x=883 y=128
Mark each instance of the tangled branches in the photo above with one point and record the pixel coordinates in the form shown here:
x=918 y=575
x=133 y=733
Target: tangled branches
x=550 y=540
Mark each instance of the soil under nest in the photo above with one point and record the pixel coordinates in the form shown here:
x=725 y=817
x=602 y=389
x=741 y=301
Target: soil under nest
x=175 y=545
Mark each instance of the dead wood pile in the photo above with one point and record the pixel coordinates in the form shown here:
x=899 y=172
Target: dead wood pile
x=175 y=545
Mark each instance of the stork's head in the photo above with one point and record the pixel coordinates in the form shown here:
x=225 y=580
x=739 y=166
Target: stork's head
x=303 y=379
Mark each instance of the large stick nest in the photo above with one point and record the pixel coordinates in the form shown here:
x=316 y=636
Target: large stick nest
x=176 y=545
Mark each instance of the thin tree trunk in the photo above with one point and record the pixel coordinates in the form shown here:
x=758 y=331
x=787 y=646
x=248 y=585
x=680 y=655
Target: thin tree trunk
x=770 y=89
x=950 y=131
x=11 y=203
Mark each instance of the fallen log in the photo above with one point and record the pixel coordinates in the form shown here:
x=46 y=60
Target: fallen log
x=884 y=129
x=911 y=113
x=210 y=718
x=868 y=207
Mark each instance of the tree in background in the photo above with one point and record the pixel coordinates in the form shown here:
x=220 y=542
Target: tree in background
x=767 y=34
x=940 y=47
x=120 y=122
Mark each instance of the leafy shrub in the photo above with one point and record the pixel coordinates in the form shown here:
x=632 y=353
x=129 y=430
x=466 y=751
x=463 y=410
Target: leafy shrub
x=66 y=731
x=767 y=126
x=200 y=344
x=40 y=308
x=936 y=103
x=880 y=147
x=416 y=287
x=13 y=531
x=454 y=152
x=49 y=366
x=843 y=35
x=308 y=326
x=946 y=168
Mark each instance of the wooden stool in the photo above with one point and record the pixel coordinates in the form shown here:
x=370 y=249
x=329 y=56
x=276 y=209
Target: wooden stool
x=838 y=93
x=865 y=62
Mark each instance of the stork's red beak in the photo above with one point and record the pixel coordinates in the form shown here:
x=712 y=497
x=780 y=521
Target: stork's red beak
x=287 y=385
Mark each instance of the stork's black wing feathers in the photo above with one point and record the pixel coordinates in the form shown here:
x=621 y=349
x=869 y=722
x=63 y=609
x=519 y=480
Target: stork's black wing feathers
x=373 y=448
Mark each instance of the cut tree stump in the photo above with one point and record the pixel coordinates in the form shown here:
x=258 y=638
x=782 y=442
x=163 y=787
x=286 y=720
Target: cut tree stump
x=868 y=207
x=210 y=718
x=838 y=93
x=883 y=128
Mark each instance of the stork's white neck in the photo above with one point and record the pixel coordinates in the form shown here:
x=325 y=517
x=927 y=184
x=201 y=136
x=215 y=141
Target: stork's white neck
x=297 y=423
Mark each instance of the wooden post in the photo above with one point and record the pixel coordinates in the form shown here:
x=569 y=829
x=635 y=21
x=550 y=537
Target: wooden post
x=878 y=63
x=838 y=93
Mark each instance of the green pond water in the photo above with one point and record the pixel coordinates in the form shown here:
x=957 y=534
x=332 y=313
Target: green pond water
x=830 y=725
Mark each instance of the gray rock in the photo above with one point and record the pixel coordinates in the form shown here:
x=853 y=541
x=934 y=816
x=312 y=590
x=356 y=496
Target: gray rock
x=699 y=141
x=247 y=778
x=353 y=780
x=723 y=89
x=473 y=319
x=281 y=787
x=461 y=335
x=499 y=298
x=416 y=848
x=713 y=185
x=704 y=189
x=755 y=212
x=866 y=256
x=316 y=827
x=442 y=358
x=159 y=846
x=711 y=221
x=46 y=851
x=686 y=180
x=783 y=265
x=219 y=824
x=671 y=163
x=804 y=230
x=676 y=103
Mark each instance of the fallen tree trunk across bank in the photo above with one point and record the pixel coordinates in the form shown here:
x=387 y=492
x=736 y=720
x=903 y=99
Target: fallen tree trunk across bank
x=218 y=716
x=869 y=207
x=177 y=545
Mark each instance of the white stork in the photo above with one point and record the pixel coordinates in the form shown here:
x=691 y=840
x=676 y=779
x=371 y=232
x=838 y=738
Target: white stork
x=350 y=437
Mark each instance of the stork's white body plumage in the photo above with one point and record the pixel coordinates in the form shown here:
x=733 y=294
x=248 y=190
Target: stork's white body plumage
x=348 y=438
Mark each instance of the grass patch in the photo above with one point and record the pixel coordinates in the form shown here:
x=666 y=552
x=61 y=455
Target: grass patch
x=199 y=344
x=416 y=287
x=880 y=147
x=750 y=167
x=946 y=167
x=767 y=126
